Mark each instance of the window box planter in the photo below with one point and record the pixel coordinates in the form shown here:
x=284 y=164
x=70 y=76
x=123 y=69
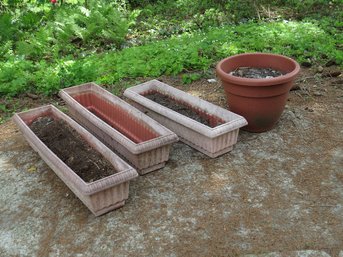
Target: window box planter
x=99 y=196
x=143 y=142
x=212 y=141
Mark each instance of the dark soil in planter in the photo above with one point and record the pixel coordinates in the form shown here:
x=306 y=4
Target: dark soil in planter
x=72 y=149
x=184 y=109
x=256 y=73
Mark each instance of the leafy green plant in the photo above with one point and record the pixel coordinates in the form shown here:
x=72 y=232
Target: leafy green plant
x=3 y=108
x=15 y=76
x=50 y=31
x=45 y=47
x=189 y=78
x=187 y=53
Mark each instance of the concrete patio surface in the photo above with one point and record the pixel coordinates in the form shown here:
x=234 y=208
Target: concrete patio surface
x=278 y=193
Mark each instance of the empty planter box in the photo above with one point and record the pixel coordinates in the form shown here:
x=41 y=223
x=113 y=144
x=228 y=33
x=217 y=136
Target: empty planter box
x=100 y=196
x=213 y=139
x=143 y=142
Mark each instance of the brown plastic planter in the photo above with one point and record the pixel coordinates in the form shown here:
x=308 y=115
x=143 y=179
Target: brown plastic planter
x=100 y=196
x=260 y=101
x=139 y=139
x=210 y=141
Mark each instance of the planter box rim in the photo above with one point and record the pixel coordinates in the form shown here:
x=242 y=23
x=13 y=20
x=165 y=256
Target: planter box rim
x=251 y=82
x=134 y=93
x=84 y=187
x=165 y=136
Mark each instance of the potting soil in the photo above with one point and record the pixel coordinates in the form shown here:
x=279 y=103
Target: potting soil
x=256 y=73
x=72 y=149
x=183 y=109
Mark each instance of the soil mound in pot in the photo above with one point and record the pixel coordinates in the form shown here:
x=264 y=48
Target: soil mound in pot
x=184 y=109
x=256 y=73
x=70 y=147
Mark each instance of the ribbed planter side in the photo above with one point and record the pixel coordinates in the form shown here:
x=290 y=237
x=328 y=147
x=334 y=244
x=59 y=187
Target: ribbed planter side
x=134 y=136
x=100 y=196
x=103 y=201
x=210 y=141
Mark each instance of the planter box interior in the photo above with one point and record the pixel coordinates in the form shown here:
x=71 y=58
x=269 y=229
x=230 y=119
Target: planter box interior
x=213 y=140
x=99 y=196
x=143 y=142
x=116 y=117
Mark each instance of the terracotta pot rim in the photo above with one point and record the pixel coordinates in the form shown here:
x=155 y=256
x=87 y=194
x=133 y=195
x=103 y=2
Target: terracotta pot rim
x=257 y=82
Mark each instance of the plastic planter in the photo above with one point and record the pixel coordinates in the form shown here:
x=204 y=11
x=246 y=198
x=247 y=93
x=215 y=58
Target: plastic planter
x=260 y=101
x=210 y=141
x=133 y=135
x=100 y=196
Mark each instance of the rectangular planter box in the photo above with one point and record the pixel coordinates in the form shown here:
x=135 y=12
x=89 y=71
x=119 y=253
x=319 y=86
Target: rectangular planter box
x=143 y=142
x=100 y=196
x=210 y=141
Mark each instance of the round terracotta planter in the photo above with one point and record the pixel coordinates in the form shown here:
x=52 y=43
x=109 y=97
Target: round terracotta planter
x=260 y=101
